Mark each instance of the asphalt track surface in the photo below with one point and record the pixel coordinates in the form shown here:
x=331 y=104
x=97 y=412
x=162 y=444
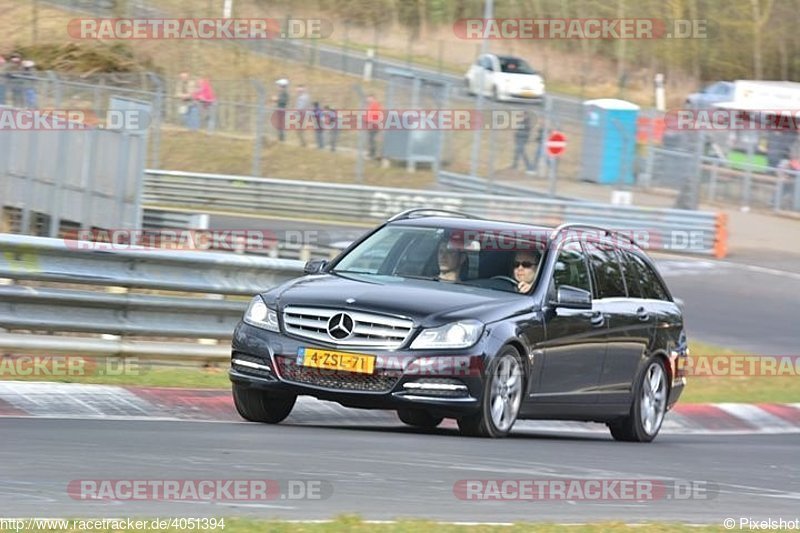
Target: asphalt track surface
x=386 y=473
x=751 y=308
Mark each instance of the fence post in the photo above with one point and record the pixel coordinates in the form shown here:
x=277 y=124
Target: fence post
x=712 y=182
x=797 y=191
x=155 y=158
x=56 y=81
x=59 y=176
x=346 y=46
x=360 y=138
x=88 y=172
x=778 y=192
x=260 y=118
x=30 y=181
x=748 y=177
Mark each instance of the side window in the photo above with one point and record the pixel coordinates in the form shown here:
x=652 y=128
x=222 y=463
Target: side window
x=633 y=274
x=650 y=283
x=607 y=271
x=570 y=268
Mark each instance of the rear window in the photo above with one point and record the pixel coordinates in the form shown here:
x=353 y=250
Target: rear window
x=632 y=273
x=607 y=271
x=649 y=282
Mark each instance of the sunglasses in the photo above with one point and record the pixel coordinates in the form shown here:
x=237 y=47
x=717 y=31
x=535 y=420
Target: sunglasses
x=523 y=264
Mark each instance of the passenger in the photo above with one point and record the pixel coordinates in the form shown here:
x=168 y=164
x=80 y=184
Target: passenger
x=451 y=260
x=525 y=265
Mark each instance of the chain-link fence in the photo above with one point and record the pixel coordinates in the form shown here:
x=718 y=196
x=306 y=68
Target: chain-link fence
x=632 y=149
x=625 y=148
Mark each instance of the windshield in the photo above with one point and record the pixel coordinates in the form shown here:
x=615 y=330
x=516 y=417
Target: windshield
x=477 y=258
x=513 y=65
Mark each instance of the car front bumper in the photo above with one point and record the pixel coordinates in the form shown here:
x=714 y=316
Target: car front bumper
x=450 y=384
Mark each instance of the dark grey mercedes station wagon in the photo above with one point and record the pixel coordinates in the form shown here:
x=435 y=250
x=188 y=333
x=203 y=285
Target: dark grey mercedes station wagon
x=437 y=314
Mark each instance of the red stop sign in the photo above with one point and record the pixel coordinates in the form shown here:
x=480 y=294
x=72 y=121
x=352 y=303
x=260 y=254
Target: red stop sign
x=556 y=144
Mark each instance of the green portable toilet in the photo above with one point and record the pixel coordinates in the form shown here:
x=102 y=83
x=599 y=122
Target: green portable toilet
x=609 y=141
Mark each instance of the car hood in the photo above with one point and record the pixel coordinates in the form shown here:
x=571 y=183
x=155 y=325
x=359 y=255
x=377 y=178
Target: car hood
x=427 y=303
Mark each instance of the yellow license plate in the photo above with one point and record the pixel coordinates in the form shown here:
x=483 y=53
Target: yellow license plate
x=529 y=94
x=349 y=362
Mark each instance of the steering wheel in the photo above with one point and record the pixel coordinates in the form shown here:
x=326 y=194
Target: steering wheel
x=506 y=278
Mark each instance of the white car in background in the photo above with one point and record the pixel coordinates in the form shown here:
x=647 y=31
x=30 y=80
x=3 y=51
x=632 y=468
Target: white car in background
x=505 y=79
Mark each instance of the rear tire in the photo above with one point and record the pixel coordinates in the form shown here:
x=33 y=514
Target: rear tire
x=419 y=418
x=258 y=406
x=649 y=406
x=501 y=398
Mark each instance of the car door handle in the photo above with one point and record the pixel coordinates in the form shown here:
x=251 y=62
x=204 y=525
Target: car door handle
x=643 y=315
x=597 y=319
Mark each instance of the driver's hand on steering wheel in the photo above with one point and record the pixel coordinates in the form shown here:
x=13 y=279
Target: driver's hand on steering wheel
x=524 y=287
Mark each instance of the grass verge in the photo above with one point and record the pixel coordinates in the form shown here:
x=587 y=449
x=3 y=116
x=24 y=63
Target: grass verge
x=749 y=389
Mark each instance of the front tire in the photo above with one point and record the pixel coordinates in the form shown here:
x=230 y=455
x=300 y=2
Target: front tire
x=419 y=418
x=649 y=406
x=501 y=399
x=258 y=406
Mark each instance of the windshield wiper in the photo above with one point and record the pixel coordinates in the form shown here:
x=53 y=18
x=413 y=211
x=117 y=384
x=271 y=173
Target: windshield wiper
x=427 y=278
x=354 y=272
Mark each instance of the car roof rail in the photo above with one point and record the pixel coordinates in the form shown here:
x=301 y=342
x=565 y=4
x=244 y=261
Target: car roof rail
x=409 y=212
x=571 y=225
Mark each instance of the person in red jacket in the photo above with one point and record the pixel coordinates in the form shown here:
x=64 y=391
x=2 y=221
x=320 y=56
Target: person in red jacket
x=374 y=120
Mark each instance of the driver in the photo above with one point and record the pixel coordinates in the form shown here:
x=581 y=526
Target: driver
x=525 y=264
x=451 y=259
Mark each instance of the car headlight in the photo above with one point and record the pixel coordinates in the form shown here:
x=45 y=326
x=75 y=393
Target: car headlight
x=456 y=335
x=261 y=316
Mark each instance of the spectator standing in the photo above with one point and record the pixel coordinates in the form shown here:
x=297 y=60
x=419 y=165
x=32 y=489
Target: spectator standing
x=208 y=103
x=29 y=90
x=187 y=107
x=521 y=136
x=374 y=119
x=318 y=125
x=16 y=81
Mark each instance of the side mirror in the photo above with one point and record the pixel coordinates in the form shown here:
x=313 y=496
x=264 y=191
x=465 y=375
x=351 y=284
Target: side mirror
x=573 y=298
x=315 y=267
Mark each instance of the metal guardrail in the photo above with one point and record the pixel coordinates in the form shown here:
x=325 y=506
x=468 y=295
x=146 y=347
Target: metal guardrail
x=666 y=229
x=467 y=183
x=213 y=289
x=64 y=261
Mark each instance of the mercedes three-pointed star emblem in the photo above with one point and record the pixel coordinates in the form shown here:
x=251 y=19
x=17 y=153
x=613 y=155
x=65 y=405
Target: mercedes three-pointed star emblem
x=340 y=326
